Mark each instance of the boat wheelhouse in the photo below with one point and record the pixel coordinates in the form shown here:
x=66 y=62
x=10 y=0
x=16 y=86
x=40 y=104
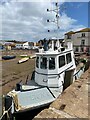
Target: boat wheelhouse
x=51 y=66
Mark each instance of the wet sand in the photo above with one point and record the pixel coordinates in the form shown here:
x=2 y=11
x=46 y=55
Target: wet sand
x=12 y=72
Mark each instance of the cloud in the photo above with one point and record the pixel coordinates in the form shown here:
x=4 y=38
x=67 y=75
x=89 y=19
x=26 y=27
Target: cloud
x=28 y=21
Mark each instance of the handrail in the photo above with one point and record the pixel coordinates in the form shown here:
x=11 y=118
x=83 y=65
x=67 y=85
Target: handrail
x=78 y=71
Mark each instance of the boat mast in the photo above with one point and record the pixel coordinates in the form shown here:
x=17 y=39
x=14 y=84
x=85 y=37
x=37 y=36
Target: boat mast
x=56 y=10
x=56 y=20
x=57 y=15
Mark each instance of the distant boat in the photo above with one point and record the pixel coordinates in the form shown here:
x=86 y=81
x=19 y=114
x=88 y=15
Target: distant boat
x=23 y=60
x=7 y=57
x=1 y=48
x=23 y=55
x=33 y=56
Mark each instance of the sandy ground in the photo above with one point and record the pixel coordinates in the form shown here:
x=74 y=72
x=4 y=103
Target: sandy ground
x=12 y=72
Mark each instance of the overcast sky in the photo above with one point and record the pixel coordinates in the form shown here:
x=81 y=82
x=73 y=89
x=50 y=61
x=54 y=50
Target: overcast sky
x=27 y=21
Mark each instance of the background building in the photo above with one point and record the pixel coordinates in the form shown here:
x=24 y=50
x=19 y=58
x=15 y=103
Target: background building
x=81 y=39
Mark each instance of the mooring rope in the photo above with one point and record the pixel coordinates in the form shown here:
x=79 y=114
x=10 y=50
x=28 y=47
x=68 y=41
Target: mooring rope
x=6 y=112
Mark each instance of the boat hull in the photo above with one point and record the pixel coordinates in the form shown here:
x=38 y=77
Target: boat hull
x=29 y=113
x=8 y=57
x=23 y=60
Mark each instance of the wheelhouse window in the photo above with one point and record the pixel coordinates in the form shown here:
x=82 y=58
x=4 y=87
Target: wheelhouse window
x=76 y=49
x=68 y=58
x=61 y=61
x=43 y=63
x=51 y=63
x=37 y=62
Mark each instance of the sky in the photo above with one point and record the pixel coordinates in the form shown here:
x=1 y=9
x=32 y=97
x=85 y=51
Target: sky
x=27 y=21
x=78 y=11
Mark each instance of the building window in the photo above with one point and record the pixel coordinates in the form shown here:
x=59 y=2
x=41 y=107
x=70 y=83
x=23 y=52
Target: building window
x=82 y=49
x=76 y=49
x=87 y=49
x=37 y=62
x=68 y=58
x=43 y=62
x=82 y=42
x=61 y=61
x=68 y=36
x=83 y=34
x=51 y=63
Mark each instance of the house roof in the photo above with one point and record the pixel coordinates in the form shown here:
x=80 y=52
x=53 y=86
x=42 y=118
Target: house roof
x=83 y=30
x=70 y=33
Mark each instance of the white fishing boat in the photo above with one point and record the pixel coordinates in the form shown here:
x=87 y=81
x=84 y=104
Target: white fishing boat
x=47 y=80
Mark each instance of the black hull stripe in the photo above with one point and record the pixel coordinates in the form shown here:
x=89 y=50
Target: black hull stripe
x=54 y=74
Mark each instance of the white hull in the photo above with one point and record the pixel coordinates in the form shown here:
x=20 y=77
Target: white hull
x=23 y=60
x=33 y=56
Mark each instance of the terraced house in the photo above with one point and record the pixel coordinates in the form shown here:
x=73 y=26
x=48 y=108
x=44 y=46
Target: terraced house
x=81 y=39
